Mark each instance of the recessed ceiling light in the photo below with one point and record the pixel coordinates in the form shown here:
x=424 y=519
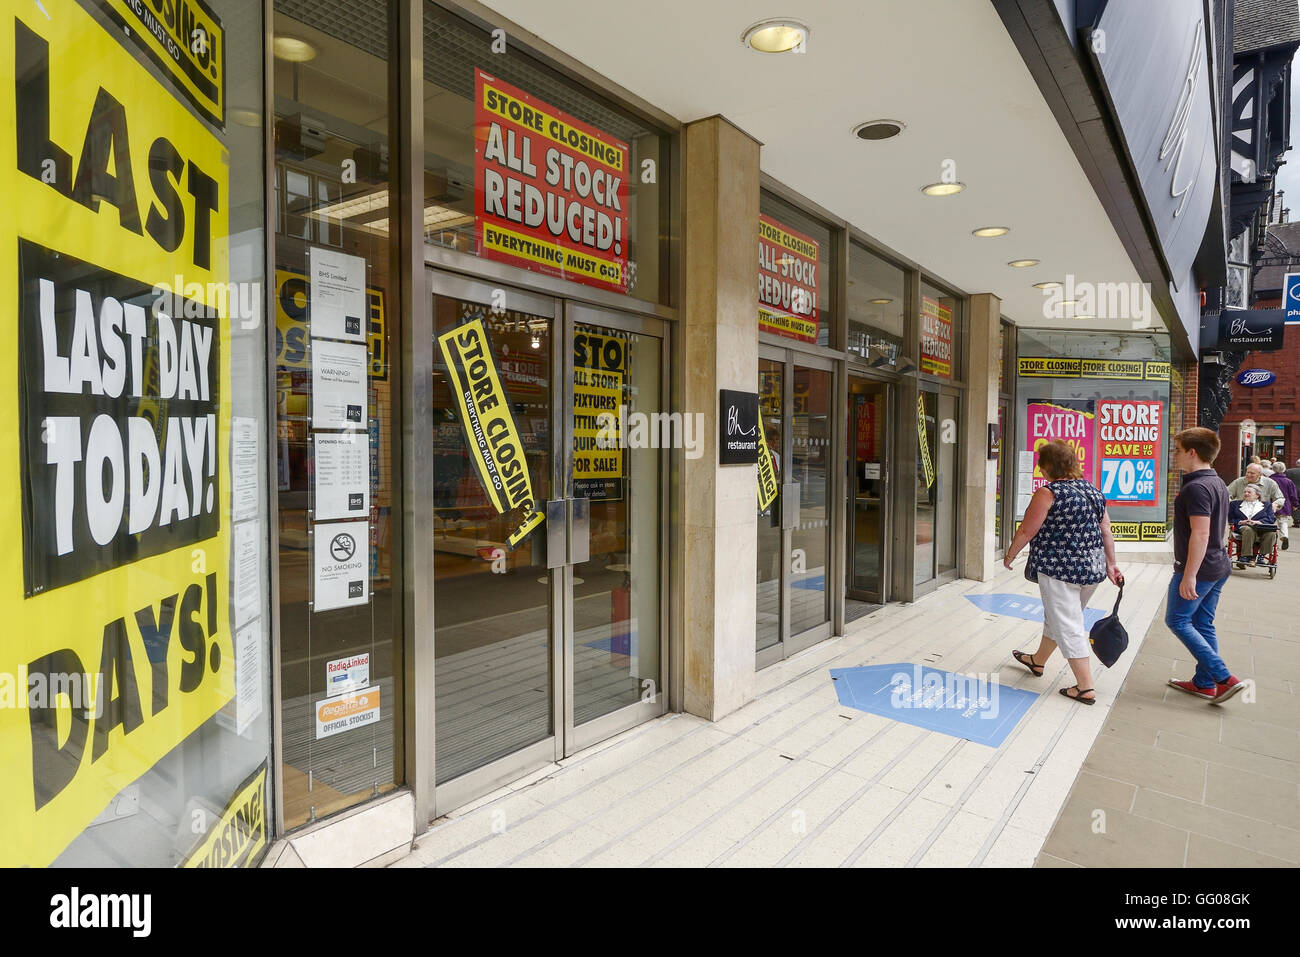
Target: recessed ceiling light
x=1022 y=263
x=1046 y=285
x=776 y=36
x=943 y=189
x=1085 y=316
x=878 y=129
x=987 y=231
x=882 y=302
x=1067 y=302
x=293 y=49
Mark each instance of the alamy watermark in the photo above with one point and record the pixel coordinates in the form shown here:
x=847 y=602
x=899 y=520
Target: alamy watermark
x=971 y=694
x=1081 y=299
x=237 y=302
x=41 y=691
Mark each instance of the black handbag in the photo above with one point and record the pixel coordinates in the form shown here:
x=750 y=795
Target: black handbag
x=1108 y=637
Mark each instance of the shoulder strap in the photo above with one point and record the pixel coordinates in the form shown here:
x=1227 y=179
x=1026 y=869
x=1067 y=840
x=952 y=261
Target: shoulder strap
x=1115 y=611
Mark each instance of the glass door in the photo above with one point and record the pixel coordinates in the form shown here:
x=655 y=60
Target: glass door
x=615 y=476
x=793 y=595
x=549 y=497
x=496 y=602
x=866 y=531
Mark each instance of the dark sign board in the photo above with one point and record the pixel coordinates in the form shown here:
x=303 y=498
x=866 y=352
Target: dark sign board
x=1250 y=330
x=737 y=427
x=995 y=440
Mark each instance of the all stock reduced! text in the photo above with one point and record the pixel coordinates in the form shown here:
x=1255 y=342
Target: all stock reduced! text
x=552 y=191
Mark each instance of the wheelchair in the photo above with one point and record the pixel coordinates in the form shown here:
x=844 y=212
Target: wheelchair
x=1235 y=557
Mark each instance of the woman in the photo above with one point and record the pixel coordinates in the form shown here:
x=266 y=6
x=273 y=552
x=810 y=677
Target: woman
x=1070 y=551
x=1285 y=512
x=1252 y=518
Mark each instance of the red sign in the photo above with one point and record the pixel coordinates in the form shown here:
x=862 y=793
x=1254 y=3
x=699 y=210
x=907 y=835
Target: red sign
x=936 y=338
x=1128 y=444
x=1065 y=419
x=551 y=191
x=787 y=281
x=866 y=429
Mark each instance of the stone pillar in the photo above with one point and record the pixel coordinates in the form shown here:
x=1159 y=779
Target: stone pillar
x=977 y=560
x=719 y=336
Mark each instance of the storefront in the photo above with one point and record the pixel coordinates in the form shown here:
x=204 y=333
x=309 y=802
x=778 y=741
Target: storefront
x=1108 y=396
x=370 y=459
x=860 y=389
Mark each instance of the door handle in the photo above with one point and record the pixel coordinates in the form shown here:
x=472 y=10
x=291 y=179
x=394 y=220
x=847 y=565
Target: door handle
x=790 y=505
x=557 y=546
x=579 y=530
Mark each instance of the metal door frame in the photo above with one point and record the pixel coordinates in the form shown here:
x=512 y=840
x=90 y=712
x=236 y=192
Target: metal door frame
x=789 y=644
x=565 y=738
x=886 y=513
x=473 y=784
x=577 y=737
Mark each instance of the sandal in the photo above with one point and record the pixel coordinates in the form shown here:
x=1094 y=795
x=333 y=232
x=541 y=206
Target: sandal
x=1028 y=661
x=1080 y=696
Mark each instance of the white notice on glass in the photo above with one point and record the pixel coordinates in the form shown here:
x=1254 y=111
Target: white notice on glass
x=246 y=573
x=342 y=475
x=1025 y=462
x=248 y=677
x=342 y=551
x=338 y=295
x=338 y=385
x=243 y=468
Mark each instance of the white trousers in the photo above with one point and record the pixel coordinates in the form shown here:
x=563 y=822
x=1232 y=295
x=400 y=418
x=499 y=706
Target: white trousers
x=1063 y=604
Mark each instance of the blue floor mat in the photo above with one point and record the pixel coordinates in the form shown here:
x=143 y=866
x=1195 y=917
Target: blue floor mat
x=963 y=706
x=1026 y=607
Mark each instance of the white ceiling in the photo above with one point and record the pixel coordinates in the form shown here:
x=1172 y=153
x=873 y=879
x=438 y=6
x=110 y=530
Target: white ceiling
x=947 y=69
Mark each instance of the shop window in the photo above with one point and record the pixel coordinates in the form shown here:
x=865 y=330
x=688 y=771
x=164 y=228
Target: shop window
x=525 y=167
x=875 y=305
x=340 y=597
x=1108 y=395
x=795 y=275
x=138 y=620
x=940 y=320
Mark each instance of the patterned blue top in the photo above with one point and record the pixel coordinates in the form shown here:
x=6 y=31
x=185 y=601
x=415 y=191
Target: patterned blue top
x=1068 y=546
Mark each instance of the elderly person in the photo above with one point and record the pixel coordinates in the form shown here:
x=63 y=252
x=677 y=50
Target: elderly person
x=1290 y=501
x=1269 y=491
x=1254 y=521
x=1070 y=552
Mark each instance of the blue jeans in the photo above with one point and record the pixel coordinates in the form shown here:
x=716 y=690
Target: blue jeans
x=1193 y=623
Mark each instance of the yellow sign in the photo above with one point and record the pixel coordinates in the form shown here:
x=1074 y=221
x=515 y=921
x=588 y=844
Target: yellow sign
x=779 y=322
x=1047 y=367
x=599 y=373
x=293 y=335
x=574 y=262
x=767 y=485
x=185 y=39
x=116 y=582
x=1112 y=368
x=494 y=442
x=923 y=435
x=1158 y=371
x=1138 y=531
x=239 y=835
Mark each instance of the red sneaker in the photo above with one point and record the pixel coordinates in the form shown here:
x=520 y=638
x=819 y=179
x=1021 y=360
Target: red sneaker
x=1224 y=690
x=1209 y=694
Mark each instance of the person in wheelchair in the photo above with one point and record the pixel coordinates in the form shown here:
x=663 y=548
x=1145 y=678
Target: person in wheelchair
x=1254 y=525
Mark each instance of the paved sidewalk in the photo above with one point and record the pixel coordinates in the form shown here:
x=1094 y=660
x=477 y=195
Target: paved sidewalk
x=1181 y=782
x=796 y=778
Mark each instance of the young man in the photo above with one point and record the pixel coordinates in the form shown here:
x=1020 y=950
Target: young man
x=1200 y=565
